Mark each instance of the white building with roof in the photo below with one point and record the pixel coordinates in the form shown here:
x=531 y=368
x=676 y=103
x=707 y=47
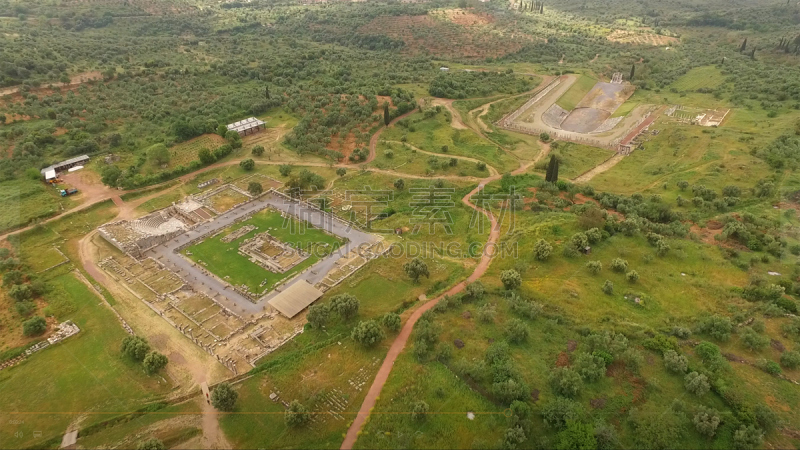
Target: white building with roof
x=247 y=126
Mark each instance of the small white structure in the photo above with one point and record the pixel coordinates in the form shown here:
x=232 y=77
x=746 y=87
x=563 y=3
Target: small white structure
x=50 y=175
x=444 y=69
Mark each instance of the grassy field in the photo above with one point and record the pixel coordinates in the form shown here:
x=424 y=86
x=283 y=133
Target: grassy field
x=576 y=92
x=312 y=368
x=93 y=381
x=712 y=157
x=186 y=152
x=327 y=361
x=23 y=201
x=446 y=425
x=706 y=77
x=693 y=280
x=625 y=108
x=407 y=160
x=575 y=159
x=433 y=133
x=224 y=260
x=405 y=215
x=172 y=425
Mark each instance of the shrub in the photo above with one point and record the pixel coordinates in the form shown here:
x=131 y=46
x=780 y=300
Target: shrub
x=367 y=333
x=766 y=418
x=579 y=241
x=594 y=235
x=771 y=367
x=565 y=382
x=247 y=164
x=486 y=313
x=255 y=188
x=517 y=331
x=577 y=435
x=392 y=322
x=151 y=444
x=619 y=265
x=710 y=355
x=34 y=326
x=318 y=315
x=632 y=276
x=754 y=341
x=258 y=150
x=558 y=411
x=135 y=347
x=509 y=390
x=345 y=305
x=296 y=415
x=661 y=343
x=747 y=437
x=154 y=362
x=542 y=250
x=511 y=279
x=608 y=287
x=697 y=384
x=223 y=397
x=675 y=362
x=475 y=290
x=415 y=269
x=590 y=367
x=527 y=309
x=285 y=170
x=790 y=360
x=419 y=412
x=25 y=308
x=718 y=327
x=513 y=438
x=594 y=267
x=20 y=292
x=706 y=421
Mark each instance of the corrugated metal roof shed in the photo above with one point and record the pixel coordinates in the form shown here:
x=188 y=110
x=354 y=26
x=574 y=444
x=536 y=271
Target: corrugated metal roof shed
x=246 y=124
x=295 y=298
x=75 y=160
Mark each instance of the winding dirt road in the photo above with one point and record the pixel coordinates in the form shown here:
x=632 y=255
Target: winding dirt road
x=400 y=341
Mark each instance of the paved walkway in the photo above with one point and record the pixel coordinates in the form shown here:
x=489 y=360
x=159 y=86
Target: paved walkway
x=203 y=281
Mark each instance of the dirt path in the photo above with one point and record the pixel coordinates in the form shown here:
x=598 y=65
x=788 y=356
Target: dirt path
x=455 y=117
x=492 y=170
x=602 y=167
x=373 y=141
x=480 y=111
x=400 y=341
x=75 y=81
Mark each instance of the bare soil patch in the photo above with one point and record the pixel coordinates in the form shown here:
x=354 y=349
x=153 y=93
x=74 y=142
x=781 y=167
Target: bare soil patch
x=425 y=34
x=466 y=17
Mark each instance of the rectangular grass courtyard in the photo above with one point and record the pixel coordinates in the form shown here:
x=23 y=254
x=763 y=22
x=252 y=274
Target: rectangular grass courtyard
x=224 y=260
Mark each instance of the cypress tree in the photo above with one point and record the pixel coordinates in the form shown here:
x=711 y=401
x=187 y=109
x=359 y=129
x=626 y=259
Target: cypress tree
x=744 y=46
x=386 y=118
x=266 y=92
x=633 y=71
x=554 y=175
x=753 y=53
